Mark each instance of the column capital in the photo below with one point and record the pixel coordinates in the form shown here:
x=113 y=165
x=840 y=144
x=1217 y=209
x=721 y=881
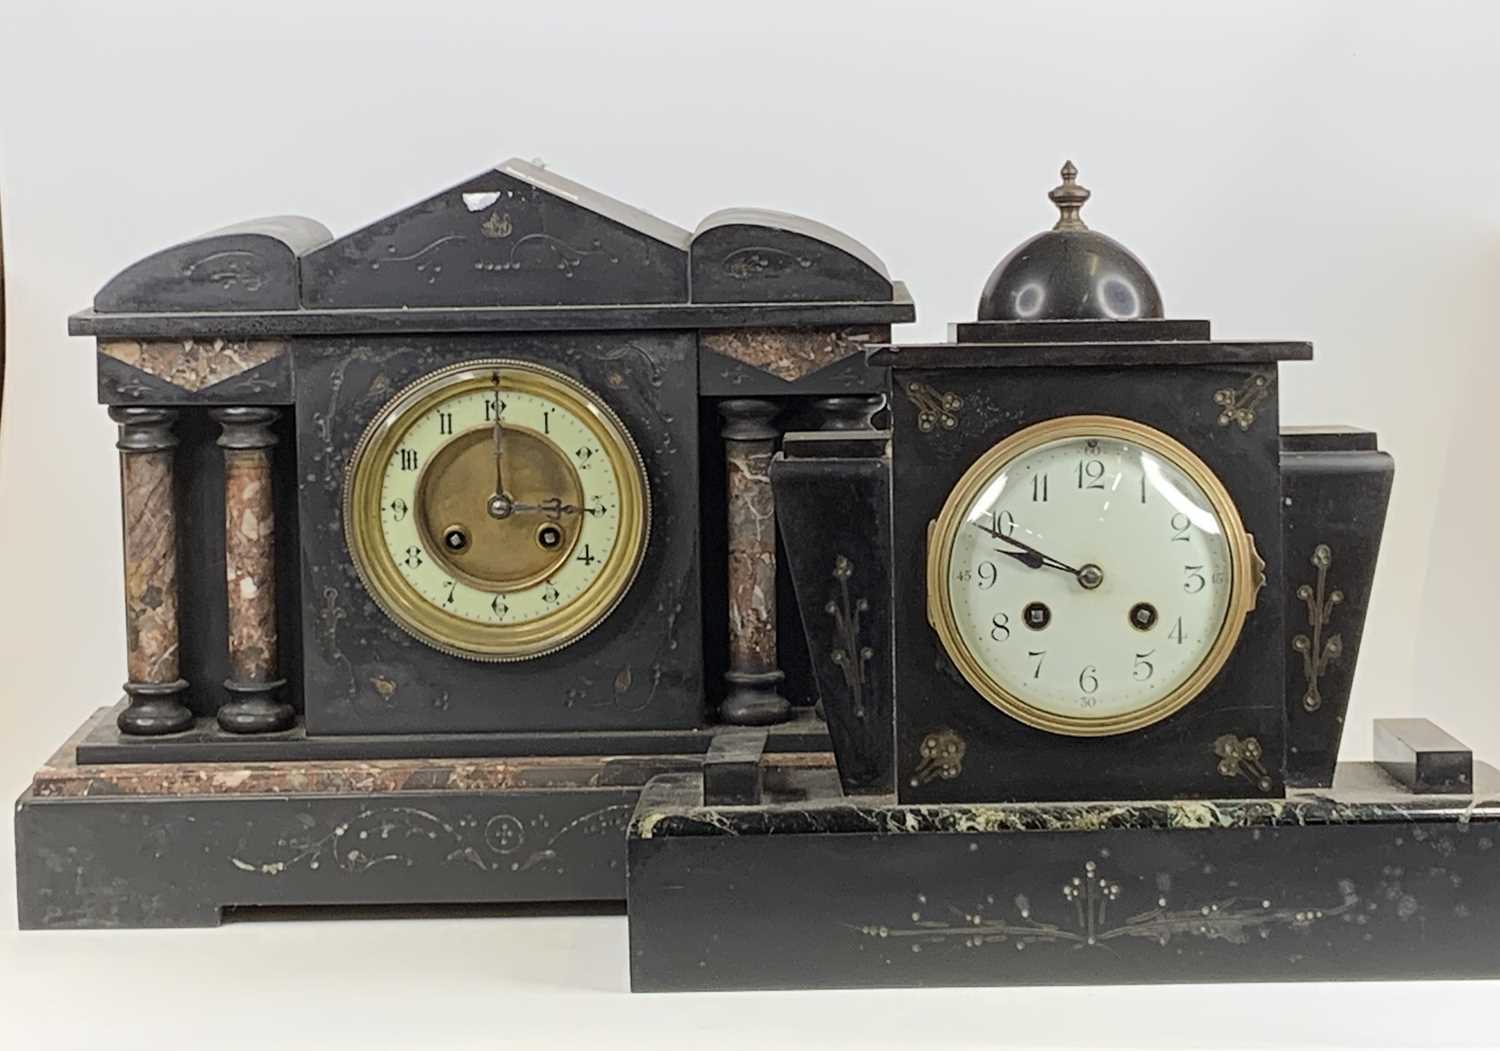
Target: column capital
x=144 y=429
x=245 y=427
x=749 y=419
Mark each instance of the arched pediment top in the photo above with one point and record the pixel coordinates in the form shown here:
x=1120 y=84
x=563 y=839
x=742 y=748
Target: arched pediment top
x=248 y=266
x=755 y=255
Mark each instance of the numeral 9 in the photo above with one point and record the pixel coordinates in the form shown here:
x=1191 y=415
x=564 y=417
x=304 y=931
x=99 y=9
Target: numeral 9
x=988 y=574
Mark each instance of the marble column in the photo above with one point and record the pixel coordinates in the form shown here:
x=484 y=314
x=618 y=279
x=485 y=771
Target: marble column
x=149 y=518
x=753 y=677
x=254 y=682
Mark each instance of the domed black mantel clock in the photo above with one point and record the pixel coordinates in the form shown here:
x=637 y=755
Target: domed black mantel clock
x=1098 y=495
x=1088 y=617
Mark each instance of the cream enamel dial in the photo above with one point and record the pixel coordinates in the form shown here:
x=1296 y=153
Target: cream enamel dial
x=496 y=510
x=1090 y=575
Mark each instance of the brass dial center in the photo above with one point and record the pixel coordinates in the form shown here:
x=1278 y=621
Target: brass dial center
x=507 y=549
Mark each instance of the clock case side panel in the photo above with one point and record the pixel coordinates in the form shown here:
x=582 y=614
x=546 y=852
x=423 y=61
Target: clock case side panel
x=1336 y=486
x=1003 y=759
x=640 y=668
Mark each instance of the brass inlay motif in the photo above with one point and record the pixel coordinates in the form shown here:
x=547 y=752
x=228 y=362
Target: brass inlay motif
x=1246 y=571
x=1318 y=652
x=1242 y=757
x=1096 y=909
x=940 y=757
x=850 y=655
x=934 y=408
x=1238 y=406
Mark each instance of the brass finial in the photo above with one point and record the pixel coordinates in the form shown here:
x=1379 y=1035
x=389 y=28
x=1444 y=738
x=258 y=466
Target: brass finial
x=1069 y=198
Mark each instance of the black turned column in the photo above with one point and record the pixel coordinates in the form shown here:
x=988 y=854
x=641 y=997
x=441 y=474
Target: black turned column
x=149 y=521
x=254 y=705
x=850 y=412
x=753 y=676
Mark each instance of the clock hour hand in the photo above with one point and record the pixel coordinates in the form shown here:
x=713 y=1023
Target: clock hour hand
x=553 y=507
x=1089 y=576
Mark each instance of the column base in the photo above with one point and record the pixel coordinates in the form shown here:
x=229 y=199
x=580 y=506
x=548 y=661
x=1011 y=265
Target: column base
x=254 y=708
x=155 y=709
x=754 y=700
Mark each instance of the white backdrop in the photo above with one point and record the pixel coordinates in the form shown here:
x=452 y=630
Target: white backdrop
x=1297 y=170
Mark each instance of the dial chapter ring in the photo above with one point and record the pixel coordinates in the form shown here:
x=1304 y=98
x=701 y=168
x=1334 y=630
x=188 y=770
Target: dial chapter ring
x=943 y=530
x=447 y=632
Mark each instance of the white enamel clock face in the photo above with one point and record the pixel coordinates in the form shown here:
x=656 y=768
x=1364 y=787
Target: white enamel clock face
x=497 y=510
x=1089 y=575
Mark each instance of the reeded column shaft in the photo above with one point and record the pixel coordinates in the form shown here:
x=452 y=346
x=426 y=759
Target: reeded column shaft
x=250 y=573
x=753 y=675
x=149 y=520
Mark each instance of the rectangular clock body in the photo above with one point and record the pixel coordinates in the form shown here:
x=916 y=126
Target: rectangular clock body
x=954 y=404
x=364 y=674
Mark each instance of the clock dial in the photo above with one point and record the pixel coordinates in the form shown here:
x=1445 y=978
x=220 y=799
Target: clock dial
x=1090 y=575
x=497 y=510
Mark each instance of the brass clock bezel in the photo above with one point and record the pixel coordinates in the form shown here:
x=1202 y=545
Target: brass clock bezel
x=1246 y=572
x=447 y=632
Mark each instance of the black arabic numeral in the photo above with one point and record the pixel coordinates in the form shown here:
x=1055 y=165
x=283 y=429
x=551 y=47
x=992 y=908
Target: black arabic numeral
x=1091 y=474
x=1000 y=627
x=497 y=604
x=1180 y=525
x=1176 y=633
x=1195 y=581
x=451 y=587
x=1041 y=656
x=1088 y=679
x=988 y=574
x=399 y=509
x=413 y=557
x=587 y=558
x=1143 y=669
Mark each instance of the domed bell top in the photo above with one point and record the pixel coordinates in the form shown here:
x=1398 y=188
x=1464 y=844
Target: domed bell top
x=1070 y=272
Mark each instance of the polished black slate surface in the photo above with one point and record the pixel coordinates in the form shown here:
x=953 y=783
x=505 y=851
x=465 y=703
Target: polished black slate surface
x=1065 y=330
x=374 y=320
x=1002 y=758
x=1335 y=486
x=208 y=742
x=1070 y=274
x=810 y=802
x=1363 y=881
x=248 y=266
x=181 y=861
x=1422 y=756
x=754 y=255
x=1111 y=355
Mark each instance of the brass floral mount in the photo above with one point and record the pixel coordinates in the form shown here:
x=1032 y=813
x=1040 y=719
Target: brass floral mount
x=851 y=657
x=1318 y=652
x=1241 y=757
x=941 y=757
x=934 y=408
x=1091 y=898
x=1239 y=406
